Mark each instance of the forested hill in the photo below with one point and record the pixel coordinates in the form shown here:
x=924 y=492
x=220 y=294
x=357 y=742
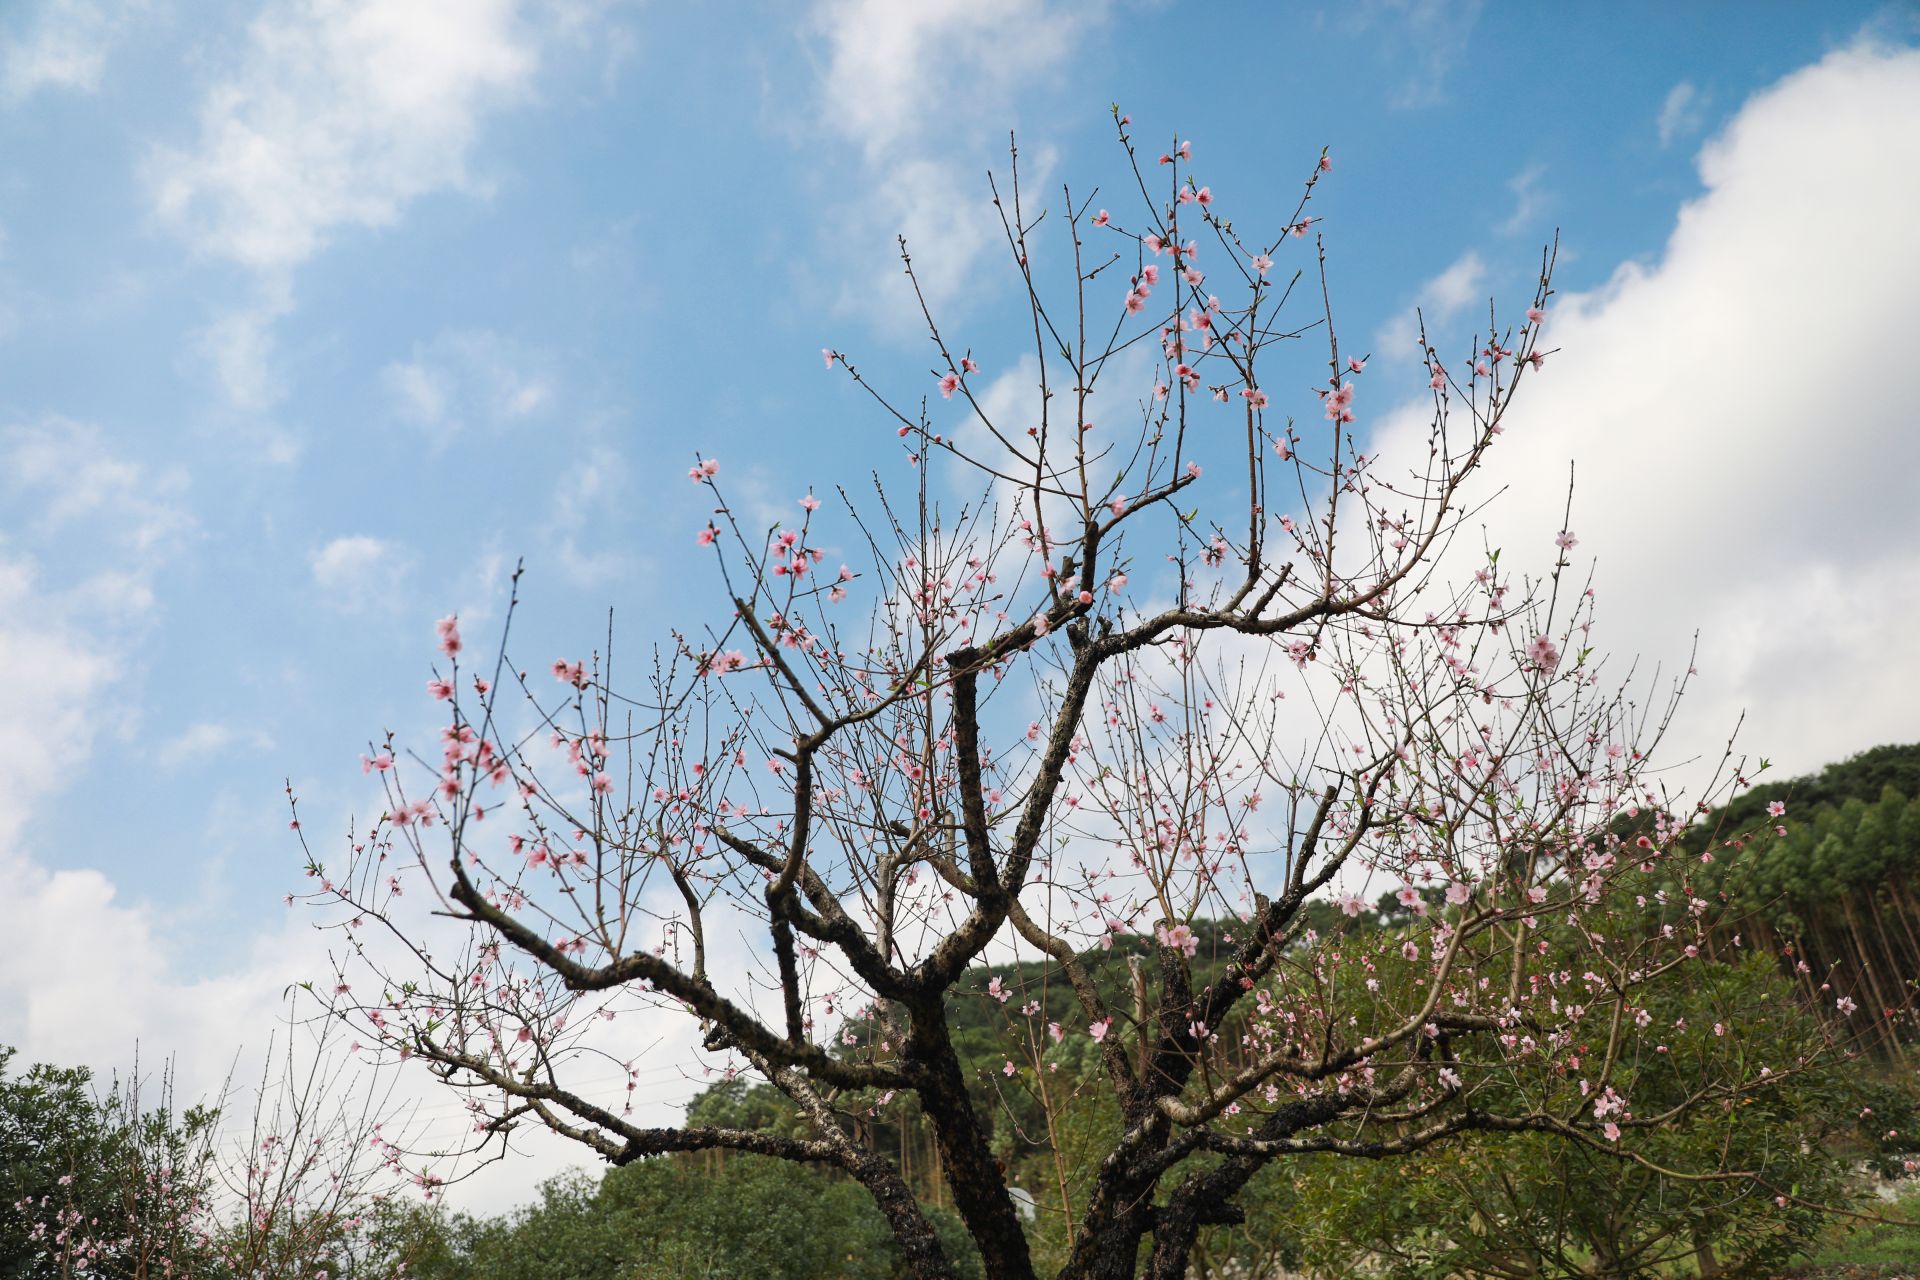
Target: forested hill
x=1862 y=777
x=1830 y=885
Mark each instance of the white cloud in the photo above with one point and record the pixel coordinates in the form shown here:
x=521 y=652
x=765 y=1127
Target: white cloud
x=342 y=113
x=54 y=670
x=582 y=492
x=420 y=392
x=1741 y=412
x=112 y=523
x=63 y=45
x=338 y=115
x=897 y=68
x=1438 y=301
x=207 y=739
x=461 y=378
x=1462 y=283
x=1682 y=114
x=238 y=345
x=66 y=467
x=912 y=82
x=1529 y=201
x=1428 y=36
x=88 y=975
x=358 y=572
x=949 y=229
x=79 y=970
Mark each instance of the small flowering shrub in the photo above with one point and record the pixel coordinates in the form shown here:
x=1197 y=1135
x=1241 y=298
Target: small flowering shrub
x=152 y=1191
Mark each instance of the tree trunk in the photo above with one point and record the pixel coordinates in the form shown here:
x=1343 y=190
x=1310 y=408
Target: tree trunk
x=925 y=1257
x=1870 y=980
x=1704 y=1259
x=1901 y=905
x=973 y=1175
x=1900 y=992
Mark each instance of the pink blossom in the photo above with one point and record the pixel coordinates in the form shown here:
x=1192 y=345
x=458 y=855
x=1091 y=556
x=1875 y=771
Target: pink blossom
x=1544 y=653
x=948 y=385
x=1099 y=1029
x=449 y=629
x=1178 y=936
x=810 y=503
x=1100 y=219
x=827 y=354
x=1458 y=893
x=1776 y=809
x=1263 y=264
x=440 y=689
x=1566 y=541
x=1255 y=397
x=1536 y=315
x=1338 y=401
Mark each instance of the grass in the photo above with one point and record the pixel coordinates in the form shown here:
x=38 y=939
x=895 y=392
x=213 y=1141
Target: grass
x=1870 y=1251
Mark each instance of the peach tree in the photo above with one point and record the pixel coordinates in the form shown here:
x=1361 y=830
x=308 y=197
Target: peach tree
x=1145 y=644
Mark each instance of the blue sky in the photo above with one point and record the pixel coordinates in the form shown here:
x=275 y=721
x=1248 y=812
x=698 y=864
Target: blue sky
x=317 y=315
